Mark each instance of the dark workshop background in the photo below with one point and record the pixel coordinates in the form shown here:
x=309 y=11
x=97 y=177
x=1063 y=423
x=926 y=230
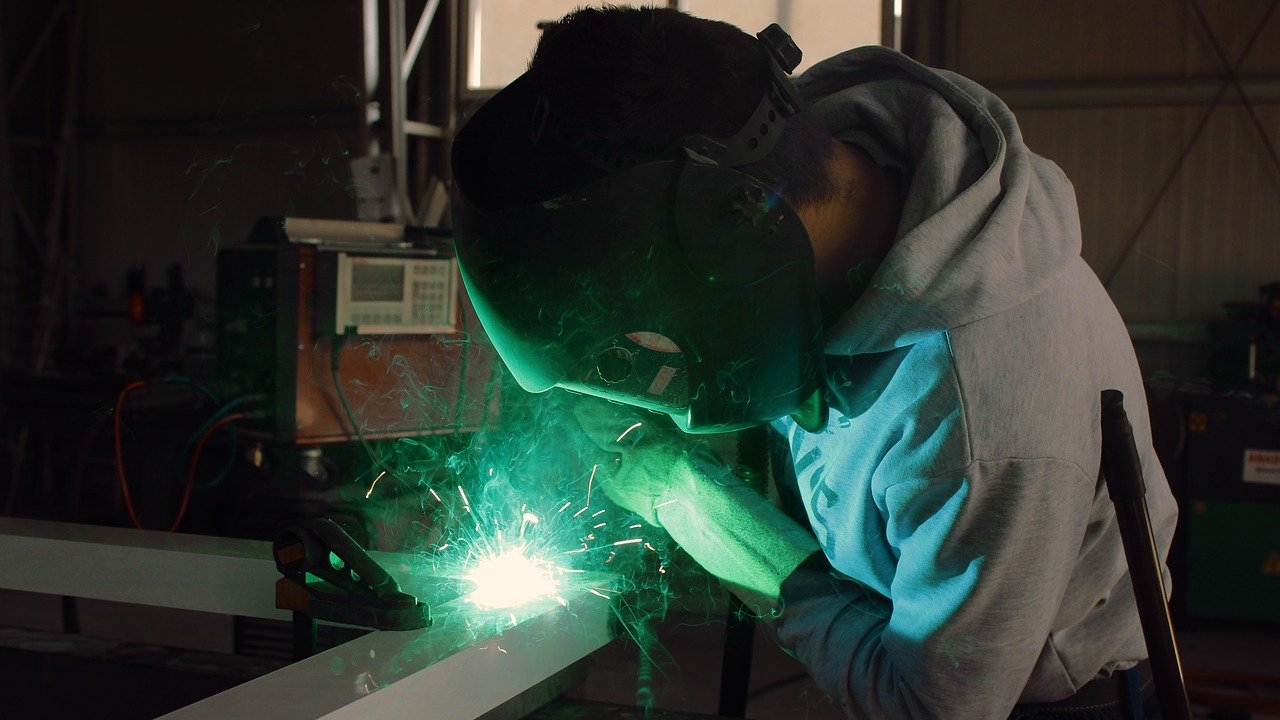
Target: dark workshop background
x=139 y=138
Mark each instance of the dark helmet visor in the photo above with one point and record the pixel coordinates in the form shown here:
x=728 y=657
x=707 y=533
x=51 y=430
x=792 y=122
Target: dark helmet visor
x=676 y=285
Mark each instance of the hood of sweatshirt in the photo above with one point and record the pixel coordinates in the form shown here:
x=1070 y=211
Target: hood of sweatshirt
x=986 y=224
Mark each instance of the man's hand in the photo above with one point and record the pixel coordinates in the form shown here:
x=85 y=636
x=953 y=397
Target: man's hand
x=647 y=465
x=676 y=482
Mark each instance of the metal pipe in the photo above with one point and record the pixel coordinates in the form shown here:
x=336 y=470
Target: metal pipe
x=458 y=669
x=1123 y=472
x=57 y=257
x=417 y=128
x=372 y=42
x=419 y=34
x=8 y=233
x=396 y=93
x=42 y=39
x=739 y=633
x=456 y=82
x=735 y=665
x=474 y=44
x=462 y=667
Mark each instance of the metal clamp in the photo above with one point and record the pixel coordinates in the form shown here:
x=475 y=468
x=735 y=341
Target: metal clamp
x=328 y=576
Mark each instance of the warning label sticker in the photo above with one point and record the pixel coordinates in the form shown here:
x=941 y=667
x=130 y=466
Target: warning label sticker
x=1262 y=466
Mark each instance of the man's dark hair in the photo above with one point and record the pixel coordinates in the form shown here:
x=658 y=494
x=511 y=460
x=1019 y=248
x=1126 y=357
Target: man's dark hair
x=638 y=79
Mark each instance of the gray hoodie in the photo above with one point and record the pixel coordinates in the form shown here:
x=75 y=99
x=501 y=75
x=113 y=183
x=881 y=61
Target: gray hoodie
x=956 y=489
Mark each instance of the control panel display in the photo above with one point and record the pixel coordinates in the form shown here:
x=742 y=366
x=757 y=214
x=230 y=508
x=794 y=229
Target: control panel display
x=404 y=296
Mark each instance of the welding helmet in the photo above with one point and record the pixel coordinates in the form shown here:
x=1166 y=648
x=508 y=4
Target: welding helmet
x=668 y=281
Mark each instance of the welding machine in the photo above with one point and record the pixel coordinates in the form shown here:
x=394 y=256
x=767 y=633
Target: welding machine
x=349 y=329
x=1229 y=492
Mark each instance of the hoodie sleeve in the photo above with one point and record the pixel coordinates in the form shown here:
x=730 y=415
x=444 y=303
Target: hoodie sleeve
x=984 y=555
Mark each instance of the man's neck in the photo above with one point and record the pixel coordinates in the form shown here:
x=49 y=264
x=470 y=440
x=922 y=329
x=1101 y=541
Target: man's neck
x=853 y=230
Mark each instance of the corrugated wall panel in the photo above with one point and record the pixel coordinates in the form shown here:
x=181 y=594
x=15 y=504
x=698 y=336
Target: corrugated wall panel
x=1267 y=61
x=198 y=119
x=1117 y=159
x=1233 y=23
x=154 y=59
x=998 y=40
x=1230 y=201
x=1213 y=237
x=177 y=199
x=1091 y=39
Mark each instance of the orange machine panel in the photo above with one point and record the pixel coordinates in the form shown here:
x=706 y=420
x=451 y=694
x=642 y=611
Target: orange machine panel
x=276 y=341
x=395 y=385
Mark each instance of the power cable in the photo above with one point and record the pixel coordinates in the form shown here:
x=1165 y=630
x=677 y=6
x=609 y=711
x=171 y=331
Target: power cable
x=207 y=427
x=219 y=419
x=195 y=463
x=335 y=355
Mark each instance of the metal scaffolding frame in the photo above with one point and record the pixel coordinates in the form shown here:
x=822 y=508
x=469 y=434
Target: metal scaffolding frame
x=39 y=240
x=434 y=74
x=8 y=239
x=49 y=236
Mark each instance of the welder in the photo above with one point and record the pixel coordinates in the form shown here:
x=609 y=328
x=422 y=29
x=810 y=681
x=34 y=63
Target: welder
x=870 y=260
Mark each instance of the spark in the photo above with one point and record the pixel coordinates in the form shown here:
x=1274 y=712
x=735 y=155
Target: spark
x=434 y=495
x=375 y=484
x=599 y=525
x=597 y=513
x=655 y=507
x=628 y=430
x=591 y=480
x=584 y=509
x=566 y=504
x=593 y=591
x=632 y=541
x=511 y=578
x=525 y=521
x=633 y=527
x=466 y=504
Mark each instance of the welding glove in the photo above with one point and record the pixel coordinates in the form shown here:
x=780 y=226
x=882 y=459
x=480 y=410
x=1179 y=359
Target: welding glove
x=676 y=482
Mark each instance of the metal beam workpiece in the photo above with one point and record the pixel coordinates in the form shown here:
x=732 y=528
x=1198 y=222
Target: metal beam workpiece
x=467 y=663
x=462 y=667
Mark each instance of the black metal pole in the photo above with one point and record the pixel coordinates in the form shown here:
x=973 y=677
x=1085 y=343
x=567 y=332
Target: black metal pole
x=1123 y=472
x=304 y=635
x=735 y=668
x=740 y=624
